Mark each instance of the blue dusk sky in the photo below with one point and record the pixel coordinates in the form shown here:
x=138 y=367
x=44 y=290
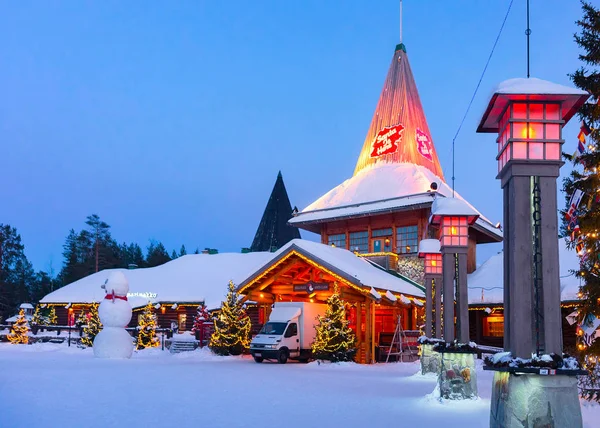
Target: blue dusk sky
x=171 y=119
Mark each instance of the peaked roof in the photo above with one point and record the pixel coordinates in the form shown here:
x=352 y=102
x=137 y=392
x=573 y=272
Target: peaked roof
x=344 y=263
x=191 y=278
x=399 y=132
x=274 y=231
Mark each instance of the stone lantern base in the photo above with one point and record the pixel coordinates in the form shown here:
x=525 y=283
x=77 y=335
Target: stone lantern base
x=533 y=400
x=430 y=360
x=457 y=378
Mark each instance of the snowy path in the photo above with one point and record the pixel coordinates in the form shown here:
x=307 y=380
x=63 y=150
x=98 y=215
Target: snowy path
x=52 y=385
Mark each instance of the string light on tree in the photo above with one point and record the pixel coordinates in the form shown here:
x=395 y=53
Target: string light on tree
x=93 y=326
x=232 y=326
x=147 y=329
x=52 y=318
x=582 y=214
x=334 y=340
x=18 y=332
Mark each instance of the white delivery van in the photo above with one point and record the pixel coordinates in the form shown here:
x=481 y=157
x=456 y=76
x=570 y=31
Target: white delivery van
x=289 y=333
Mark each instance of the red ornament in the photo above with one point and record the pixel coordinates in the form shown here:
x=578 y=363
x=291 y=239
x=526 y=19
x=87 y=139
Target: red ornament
x=386 y=141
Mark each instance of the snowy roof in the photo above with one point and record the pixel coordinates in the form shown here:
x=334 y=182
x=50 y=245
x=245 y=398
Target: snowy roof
x=344 y=263
x=26 y=306
x=191 y=278
x=383 y=188
x=452 y=207
x=430 y=246
x=522 y=89
x=486 y=284
x=14 y=318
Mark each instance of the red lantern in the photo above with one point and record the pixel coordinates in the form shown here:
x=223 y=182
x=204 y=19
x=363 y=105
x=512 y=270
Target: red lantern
x=429 y=249
x=453 y=216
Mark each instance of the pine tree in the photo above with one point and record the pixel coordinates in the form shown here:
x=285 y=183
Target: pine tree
x=232 y=326
x=11 y=262
x=82 y=319
x=581 y=230
x=174 y=255
x=52 y=318
x=182 y=251
x=157 y=254
x=18 y=332
x=93 y=326
x=202 y=317
x=335 y=340
x=147 y=329
x=38 y=317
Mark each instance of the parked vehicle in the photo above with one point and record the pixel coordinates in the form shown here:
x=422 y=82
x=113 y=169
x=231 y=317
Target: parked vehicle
x=288 y=334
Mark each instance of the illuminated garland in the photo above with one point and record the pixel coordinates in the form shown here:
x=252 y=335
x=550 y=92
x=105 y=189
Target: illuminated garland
x=93 y=326
x=18 y=332
x=52 y=318
x=38 y=318
x=232 y=326
x=335 y=340
x=147 y=329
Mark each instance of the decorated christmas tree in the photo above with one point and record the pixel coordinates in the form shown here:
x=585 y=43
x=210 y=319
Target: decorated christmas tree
x=202 y=317
x=93 y=326
x=335 y=340
x=147 y=329
x=232 y=326
x=38 y=317
x=581 y=222
x=52 y=318
x=18 y=332
x=82 y=319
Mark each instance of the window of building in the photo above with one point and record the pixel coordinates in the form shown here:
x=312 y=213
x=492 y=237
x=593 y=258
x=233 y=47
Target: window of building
x=493 y=326
x=359 y=241
x=338 y=240
x=407 y=239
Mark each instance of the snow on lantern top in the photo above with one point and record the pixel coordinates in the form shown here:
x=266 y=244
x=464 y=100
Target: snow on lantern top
x=429 y=249
x=531 y=89
x=429 y=246
x=399 y=132
x=454 y=217
x=528 y=115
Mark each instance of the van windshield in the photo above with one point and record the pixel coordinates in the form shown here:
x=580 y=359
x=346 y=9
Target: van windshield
x=276 y=328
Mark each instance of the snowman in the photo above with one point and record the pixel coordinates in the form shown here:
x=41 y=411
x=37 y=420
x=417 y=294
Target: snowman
x=113 y=341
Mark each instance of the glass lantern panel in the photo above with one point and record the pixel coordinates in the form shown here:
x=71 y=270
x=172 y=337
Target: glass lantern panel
x=552 y=112
x=519 y=111
x=519 y=150
x=553 y=151
x=536 y=131
x=552 y=131
x=519 y=130
x=536 y=111
x=536 y=150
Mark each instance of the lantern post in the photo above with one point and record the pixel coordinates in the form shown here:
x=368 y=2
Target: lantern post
x=528 y=115
x=429 y=249
x=453 y=217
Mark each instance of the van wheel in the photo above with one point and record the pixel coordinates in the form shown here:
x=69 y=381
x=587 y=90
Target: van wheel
x=258 y=359
x=282 y=357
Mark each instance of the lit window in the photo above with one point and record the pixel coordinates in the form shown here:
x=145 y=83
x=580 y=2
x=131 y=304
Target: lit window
x=493 y=326
x=338 y=240
x=407 y=239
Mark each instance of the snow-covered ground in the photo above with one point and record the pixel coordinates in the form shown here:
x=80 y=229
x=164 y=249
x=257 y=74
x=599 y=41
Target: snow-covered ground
x=54 y=385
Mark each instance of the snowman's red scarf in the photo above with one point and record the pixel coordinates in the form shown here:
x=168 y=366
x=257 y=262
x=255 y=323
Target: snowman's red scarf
x=113 y=296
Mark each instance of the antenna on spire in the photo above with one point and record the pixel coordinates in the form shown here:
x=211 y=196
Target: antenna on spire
x=528 y=33
x=400 y=21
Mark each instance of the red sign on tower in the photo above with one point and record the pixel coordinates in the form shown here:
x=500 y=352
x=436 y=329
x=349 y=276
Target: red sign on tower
x=386 y=141
x=424 y=146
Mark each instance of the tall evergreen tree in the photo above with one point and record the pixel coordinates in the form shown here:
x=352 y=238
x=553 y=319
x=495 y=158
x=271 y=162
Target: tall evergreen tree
x=232 y=326
x=182 y=251
x=173 y=255
x=157 y=254
x=582 y=228
x=335 y=340
x=147 y=329
x=12 y=260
